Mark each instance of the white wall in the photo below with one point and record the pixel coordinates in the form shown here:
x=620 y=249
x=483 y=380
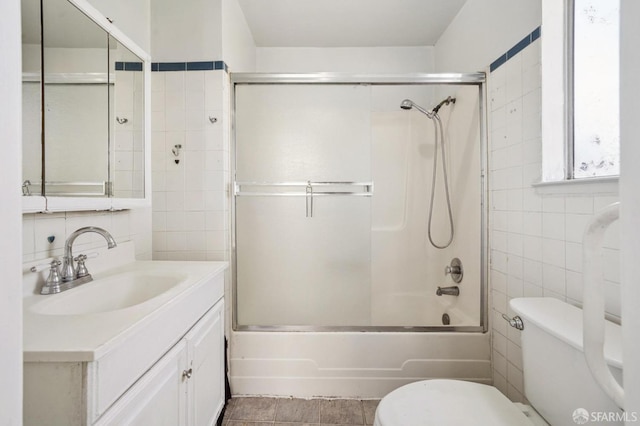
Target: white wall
x=482 y=31
x=10 y=210
x=183 y=31
x=132 y=17
x=238 y=47
x=345 y=59
x=630 y=211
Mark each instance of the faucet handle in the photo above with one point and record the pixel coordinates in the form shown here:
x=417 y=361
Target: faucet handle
x=81 y=269
x=52 y=284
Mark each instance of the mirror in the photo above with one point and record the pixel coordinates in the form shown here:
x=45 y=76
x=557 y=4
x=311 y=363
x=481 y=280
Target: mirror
x=84 y=127
x=127 y=132
x=31 y=99
x=77 y=89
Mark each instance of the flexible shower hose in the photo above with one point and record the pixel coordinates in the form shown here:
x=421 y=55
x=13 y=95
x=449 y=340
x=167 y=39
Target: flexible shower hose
x=438 y=126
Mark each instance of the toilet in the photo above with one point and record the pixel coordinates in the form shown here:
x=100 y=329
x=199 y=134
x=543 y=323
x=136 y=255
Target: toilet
x=557 y=381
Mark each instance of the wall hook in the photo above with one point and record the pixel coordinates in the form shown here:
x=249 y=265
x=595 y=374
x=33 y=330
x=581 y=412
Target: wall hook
x=213 y=120
x=122 y=120
x=176 y=152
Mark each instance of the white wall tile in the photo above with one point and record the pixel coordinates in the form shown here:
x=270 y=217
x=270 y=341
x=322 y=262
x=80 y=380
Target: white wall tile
x=535 y=242
x=192 y=195
x=575 y=225
x=553 y=252
x=498 y=281
x=499 y=241
x=513 y=69
x=38 y=227
x=532 y=247
x=553 y=204
x=532 y=272
x=553 y=278
x=499 y=200
x=553 y=226
x=579 y=205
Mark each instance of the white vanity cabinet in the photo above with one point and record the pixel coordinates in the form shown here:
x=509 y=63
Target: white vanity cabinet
x=186 y=387
x=160 y=362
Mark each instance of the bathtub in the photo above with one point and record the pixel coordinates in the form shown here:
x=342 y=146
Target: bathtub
x=352 y=364
x=358 y=364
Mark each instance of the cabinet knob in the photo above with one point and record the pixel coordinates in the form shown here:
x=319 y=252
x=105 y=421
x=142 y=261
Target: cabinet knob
x=187 y=373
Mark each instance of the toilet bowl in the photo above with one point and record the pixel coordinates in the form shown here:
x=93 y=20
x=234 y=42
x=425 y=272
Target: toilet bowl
x=452 y=402
x=557 y=380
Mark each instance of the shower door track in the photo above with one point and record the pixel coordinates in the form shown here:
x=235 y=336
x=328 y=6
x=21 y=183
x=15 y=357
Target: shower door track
x=329 y=78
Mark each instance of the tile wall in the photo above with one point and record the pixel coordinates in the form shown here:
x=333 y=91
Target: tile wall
x=126 y=225
x=535 y=237
x=191 y=197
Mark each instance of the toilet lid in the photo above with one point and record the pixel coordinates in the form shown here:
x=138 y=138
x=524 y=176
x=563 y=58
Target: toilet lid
x=448 y=402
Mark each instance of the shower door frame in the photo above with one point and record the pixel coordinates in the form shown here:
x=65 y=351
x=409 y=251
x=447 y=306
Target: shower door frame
x=325 y=78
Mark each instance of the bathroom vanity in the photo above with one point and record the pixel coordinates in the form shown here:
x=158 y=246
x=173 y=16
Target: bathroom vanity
x=141 y=344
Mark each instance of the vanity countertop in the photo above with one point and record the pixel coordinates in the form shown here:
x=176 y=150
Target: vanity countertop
x=51 y=335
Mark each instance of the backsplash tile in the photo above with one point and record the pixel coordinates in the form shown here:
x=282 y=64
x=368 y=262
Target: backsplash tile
x=126 y=225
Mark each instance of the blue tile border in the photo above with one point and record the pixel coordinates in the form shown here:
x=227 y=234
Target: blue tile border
x=189 y=66
x=533 y=36
x=128 y=66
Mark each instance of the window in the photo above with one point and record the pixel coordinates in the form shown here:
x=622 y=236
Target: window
x=594 y=138
x=580 y=91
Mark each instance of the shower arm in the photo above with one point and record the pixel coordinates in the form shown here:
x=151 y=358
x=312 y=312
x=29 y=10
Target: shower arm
x=447 y=101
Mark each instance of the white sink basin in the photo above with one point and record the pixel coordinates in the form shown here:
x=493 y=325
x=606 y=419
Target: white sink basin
x=115 y=292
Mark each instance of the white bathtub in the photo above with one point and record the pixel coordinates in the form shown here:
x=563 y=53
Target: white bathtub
x=352 y=364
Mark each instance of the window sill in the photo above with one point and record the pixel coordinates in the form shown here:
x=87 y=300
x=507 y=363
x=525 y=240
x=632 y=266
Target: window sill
x=601 y=185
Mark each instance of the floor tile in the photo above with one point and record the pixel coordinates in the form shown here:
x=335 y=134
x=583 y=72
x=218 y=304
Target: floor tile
x=254 y=409
x=370 y=406
x=296 y=424
x=243 y=423
x=298 y=410
x=341 y=411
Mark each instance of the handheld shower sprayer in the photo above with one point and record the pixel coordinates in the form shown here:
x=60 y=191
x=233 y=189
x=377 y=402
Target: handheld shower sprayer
x=409 y=104
x=439 y=140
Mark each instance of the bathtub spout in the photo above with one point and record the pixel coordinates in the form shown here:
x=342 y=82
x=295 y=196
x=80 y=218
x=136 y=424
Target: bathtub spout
x=450 y=291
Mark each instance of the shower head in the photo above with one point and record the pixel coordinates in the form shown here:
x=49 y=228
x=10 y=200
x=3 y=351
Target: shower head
x=408 y=104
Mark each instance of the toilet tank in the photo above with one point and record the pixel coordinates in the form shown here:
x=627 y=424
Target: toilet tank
x=557 y=381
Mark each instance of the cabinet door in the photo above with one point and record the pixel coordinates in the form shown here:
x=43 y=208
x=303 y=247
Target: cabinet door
x=205 y=347
x=158 y=398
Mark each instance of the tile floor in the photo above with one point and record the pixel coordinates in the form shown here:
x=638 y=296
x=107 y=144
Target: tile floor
x=253 y=411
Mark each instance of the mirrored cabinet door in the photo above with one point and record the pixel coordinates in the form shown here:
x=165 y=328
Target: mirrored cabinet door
x=76 y=102
x=84 y=107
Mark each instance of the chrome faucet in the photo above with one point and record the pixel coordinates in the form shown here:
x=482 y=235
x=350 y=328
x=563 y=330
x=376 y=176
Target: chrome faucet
x=69 y=272
x=450 y=291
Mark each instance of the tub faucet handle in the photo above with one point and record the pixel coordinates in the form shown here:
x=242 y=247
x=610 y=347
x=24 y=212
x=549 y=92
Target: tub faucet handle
x=455 y=270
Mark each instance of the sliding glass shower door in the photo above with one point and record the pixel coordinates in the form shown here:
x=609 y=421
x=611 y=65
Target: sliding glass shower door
x=303 y=205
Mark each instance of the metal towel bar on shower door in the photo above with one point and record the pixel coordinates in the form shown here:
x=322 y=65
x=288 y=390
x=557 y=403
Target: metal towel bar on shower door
x=308 y=189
